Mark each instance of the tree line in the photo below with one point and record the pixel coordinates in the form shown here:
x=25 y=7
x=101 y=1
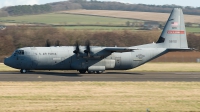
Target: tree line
x=28 y=9
x=16 y=37
x=93 y=5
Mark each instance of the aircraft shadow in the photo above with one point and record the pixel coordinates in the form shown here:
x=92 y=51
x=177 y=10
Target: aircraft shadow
x=56 y=74
x=128 y=73
x=73 y=74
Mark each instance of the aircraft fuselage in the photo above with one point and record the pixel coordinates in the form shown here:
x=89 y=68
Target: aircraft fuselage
x=63 y=58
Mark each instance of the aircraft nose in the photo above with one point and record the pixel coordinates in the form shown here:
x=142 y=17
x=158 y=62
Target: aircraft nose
x=6 y=61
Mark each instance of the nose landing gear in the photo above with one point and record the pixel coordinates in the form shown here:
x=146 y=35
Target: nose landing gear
x=82 y=71
x=23 y=70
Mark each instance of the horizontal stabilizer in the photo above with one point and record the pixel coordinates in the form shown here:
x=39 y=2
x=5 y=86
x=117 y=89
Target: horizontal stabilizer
x=180 y=49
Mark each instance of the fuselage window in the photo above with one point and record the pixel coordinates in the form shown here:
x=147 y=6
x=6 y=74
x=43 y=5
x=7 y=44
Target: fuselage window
x=20 y=52
x=14 y=53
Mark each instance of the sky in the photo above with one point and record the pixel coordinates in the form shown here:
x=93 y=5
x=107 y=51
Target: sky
x=193 y=3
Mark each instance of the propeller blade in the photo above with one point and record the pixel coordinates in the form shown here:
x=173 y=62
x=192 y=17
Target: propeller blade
x=87 y=47
x=77 y=49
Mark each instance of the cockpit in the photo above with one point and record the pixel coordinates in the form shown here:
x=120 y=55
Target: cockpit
x=18 y=52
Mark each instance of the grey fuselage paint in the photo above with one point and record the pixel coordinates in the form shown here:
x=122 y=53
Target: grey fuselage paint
x=63 y=58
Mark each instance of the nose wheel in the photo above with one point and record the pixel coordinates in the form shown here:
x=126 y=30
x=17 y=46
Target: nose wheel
x=23 y=70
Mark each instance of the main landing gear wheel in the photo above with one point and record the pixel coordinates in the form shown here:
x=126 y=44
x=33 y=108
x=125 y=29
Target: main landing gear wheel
x=23 y=70
x=82 y=71
x=99 y=72
x=93 y=72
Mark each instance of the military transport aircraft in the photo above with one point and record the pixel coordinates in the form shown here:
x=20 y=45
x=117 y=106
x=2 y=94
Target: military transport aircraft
x=93 y=59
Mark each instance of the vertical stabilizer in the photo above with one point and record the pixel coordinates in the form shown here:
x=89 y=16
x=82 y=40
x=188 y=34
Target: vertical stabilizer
x=174 y=34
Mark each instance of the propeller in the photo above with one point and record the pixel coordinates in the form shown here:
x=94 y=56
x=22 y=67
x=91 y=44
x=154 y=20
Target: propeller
x=87 y=47
x=77 y=49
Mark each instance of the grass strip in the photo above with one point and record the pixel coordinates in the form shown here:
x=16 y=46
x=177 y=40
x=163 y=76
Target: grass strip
x=99 y=96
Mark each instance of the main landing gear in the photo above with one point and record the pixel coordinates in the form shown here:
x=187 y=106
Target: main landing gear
x=82 y=71
x=90 y=72
x=23 y=70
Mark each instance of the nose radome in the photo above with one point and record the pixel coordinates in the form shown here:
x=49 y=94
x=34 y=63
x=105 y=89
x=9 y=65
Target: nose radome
x=6 y=61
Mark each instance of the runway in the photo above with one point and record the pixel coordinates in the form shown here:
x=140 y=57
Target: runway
x=107 y=76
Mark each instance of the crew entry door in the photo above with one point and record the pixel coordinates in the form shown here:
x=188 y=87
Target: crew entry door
x=118 y=62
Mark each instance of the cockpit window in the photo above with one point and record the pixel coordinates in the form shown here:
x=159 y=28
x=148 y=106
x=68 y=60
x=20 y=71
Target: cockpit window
x=19 y=52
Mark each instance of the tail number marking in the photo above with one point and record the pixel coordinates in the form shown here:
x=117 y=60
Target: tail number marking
x=175 y=32
x=172 y=41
